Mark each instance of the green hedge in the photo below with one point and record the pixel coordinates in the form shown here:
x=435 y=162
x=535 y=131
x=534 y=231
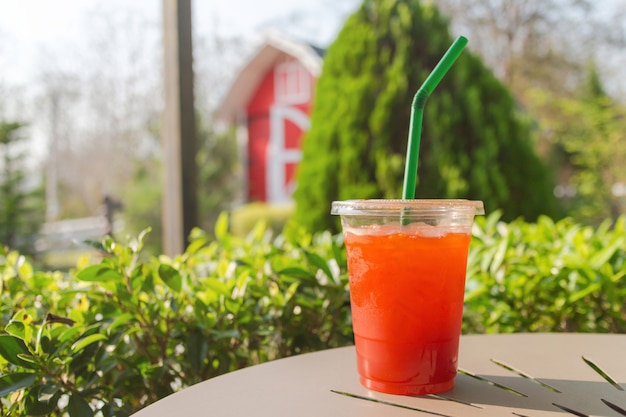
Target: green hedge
x=546 y=276
x=109 y=338
x=243 y=219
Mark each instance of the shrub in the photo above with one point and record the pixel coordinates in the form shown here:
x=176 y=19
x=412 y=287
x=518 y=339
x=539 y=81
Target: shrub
x=546 y=276
x=118 y=335
x=245 y=218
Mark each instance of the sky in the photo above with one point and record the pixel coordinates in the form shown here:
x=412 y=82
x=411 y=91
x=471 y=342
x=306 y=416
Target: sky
x=38 y=37
x=30 y=29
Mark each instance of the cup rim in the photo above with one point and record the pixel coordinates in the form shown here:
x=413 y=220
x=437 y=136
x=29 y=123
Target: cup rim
x=385 y=207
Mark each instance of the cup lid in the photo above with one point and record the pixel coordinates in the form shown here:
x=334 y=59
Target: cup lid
x=382 y=207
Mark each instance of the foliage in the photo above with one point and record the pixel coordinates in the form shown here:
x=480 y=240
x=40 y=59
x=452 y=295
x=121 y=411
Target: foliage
x=116 y=89
x=245 y=218
x=530 y=43
x=546 y=276
x=531 y=47
x=219 y=172
x=589 y=130
x=144 y=329
x=142 y=201
x=114 y=336
x=21 y=208
x=475 y=142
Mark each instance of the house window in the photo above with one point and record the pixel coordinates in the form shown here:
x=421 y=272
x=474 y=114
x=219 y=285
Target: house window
x=292 y=83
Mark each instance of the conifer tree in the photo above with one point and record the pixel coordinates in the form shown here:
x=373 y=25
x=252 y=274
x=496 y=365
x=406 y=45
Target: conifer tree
x=476 y=143
x=21 y=209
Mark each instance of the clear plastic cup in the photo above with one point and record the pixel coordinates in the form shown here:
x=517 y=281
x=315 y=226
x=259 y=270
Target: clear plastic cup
x=407 y=261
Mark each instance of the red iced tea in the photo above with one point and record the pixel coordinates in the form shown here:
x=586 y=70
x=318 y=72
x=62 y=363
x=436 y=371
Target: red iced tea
x=406 y=291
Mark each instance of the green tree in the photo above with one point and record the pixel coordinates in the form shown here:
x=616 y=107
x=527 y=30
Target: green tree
x=141 y=199
x=21 y=208
x=218 y=184
x=219 y=172
x=588 y=132
x=476 y=143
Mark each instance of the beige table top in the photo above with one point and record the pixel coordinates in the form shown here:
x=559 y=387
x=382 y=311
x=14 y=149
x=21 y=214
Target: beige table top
x=544 y=374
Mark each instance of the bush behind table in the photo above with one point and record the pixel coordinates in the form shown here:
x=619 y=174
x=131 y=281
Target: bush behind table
x=112 y=337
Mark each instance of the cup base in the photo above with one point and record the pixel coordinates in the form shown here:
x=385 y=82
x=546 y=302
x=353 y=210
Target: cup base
x=406 y=389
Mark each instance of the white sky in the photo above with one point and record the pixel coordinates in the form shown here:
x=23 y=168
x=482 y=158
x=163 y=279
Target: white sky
x=36 y=32
x=30 y=29
x=37 y=36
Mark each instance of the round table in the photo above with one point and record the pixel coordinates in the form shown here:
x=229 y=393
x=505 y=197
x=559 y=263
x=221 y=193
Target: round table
x=524 y=375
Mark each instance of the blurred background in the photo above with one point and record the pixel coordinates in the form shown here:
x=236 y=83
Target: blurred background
x=81 y=99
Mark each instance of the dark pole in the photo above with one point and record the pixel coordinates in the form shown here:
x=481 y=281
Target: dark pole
x=180 y=203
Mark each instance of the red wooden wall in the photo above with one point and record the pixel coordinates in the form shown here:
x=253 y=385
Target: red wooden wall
x=278 y=116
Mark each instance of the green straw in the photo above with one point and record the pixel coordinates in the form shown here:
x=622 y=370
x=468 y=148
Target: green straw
x=415 y=125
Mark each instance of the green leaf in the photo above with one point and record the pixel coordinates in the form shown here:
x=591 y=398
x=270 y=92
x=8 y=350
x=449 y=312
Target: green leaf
x=10 y=349
x=86 y=341
x=138 y=277
x=291 y=291
x=603 y=256
x=16 y=328
x=68 y=334
x=486 y=258
x=94 y=244
x=47 y=392
x=98 y=273
x=197 y=349
x=498 y=257
x=28 y=358
x=119 y=321
x=35 y=406
x=198 y=241
x=47 y=345
x=142 y=237
x=221 y=226
x=108 y=410
x=14 y=382
x=575 y=297
x=319 y=262
x=226 y=334
x=171 y=277
x=200 y=309
x=217 y=286
x=298 y=273
x=78 y=407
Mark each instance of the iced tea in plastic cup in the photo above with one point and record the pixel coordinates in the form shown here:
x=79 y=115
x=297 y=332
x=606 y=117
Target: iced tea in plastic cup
x=407 y=262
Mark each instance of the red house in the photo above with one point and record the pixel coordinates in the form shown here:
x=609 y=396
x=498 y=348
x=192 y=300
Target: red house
x=270 y=102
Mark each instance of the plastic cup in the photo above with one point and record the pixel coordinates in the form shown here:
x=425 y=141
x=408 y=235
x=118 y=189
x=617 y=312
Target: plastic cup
x=407 y=261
